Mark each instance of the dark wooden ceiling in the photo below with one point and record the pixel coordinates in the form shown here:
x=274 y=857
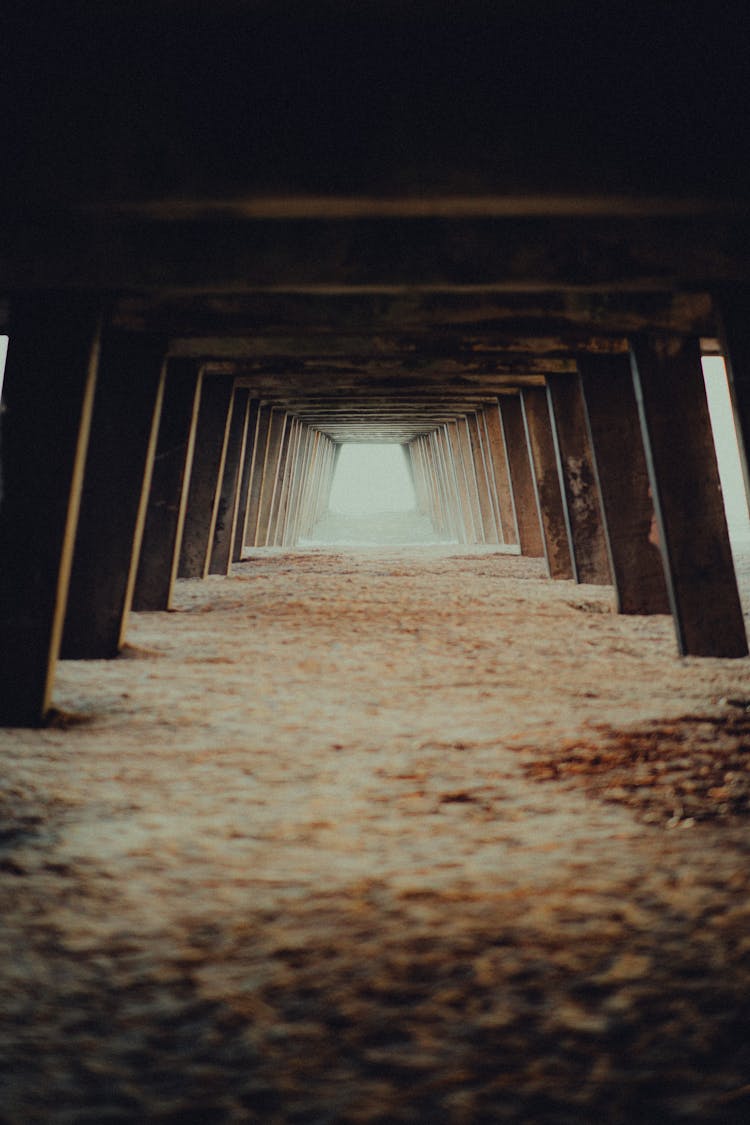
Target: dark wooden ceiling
x=380 y=214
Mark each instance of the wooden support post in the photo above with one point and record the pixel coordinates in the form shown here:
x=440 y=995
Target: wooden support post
x=734 y=328
x=214 y=418
x=684 y=476
x=117 y=478
x=48 y=396
x=274 y=445
x=453 y=500
x=521 y=476
x=281 y=536
x=615 y=435
x=549 y=494
x=256 y=481
x=246 y=476
x=576 y=468
x=472 y=492
x=462 y=484
x=435 y=504
x=492 y=482
x=295 y=515
x=500 y=472
x=277 y=514
x=167 y=501
x=490 y=533
x=226 y=512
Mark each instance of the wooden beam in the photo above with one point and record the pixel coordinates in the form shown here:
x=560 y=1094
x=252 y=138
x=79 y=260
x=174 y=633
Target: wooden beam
x=214 y=418
x=117 y=478
x=387 y=254
x=167 y=502
x=525 y=507
x=48 y=396
x=226 y=513
x=684 y=478
x=576 y=468
x=550 y=498
x=615 y=436
x=248 y=468
x=468 y=314
x=734 y=317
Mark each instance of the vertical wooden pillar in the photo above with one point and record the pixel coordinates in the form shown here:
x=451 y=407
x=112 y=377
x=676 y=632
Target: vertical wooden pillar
x=226 y=512
x=452 y=497
x=48 y=396
x=501 y=480
x=464 y=445
x=246 y=476
x=167 y=501
x=734 y=318
x=620 y=466
x=576 y=469
x=684 y=477
x=298 y=483
x=462 y=484
x=549 y=495
x=117 y=478
x=282 y=526
x=274 y=442
x=277 y=514
x=486 y=507
x=521 y=476
x=256 y=480
x=214 y=417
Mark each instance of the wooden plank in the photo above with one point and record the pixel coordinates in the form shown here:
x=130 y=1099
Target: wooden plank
x=520 y=471
x=226 y=513
x=167 y=502
x=615 y=436
x=684 y=478
x=274 y=441
x=546 y=477
x=248 y=466
x=576 y=468
x=48 y=395
x=734 y=333
x=501 y=479
x=462 y=484
x=256 y=480
x=119 y=463
x=386 y=255
x=571 y=316
x=214 y=418
x=276 y=518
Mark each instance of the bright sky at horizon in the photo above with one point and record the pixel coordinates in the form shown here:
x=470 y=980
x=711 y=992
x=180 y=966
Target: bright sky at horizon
x=372 y=478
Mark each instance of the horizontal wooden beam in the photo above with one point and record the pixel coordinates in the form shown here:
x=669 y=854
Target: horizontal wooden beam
x=510 y=253
x=468 y=312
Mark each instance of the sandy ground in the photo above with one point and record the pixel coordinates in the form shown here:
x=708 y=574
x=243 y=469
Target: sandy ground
x=407 y=835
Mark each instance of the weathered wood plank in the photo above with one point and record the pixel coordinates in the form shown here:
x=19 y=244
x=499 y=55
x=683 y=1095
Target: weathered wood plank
x=576 y=468
x=620 y=466
x=226 y=512
x=214 y=418
x=167 y=503
x=500 y=472
x=525 y=503
x=248 y=468
x=276 y=431
x=547 y=485
x=117 y=477
x=685 y=485
x=734 y=313
x=48 y=396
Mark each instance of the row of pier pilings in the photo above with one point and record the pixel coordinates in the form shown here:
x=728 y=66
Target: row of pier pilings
x=124 y=468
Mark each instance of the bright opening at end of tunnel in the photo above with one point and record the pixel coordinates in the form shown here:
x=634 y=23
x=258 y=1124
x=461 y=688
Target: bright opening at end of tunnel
x=372 y=500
